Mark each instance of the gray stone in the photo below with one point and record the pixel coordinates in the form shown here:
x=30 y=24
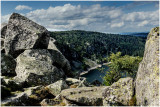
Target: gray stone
x=8 y=65
x=81 y=82
x=30 y=97
x=50 y=102
x=35 y=67
x=23 y=34
x=57 y=87
x=3 y=30
x=90 y=96
x=60 y=61
x=147 y=80
x=119 y=93
x=51 y=44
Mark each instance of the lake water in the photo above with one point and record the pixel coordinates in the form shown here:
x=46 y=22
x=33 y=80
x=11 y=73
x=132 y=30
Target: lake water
x=96 y=74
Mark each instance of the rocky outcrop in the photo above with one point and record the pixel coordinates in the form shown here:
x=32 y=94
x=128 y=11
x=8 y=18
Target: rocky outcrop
x=57 y=87
x=90 y=96
x=51 y=44
x=147 y=80
x=50 y=102
x=3 y=30
x=35 y=67
x=60 y=61
x=81 y=82
x=8 y=65
x=31 y=96
x=23 y=34
x=119 y=93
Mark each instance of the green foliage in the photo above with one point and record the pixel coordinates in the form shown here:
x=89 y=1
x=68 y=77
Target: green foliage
x=76 y=45
x=121 y=66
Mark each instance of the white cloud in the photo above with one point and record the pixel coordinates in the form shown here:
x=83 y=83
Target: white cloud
x=117 y=24
x=143 y=23
x=23 y=7
x=74 y=16
x=5 y=18
x=94 y=17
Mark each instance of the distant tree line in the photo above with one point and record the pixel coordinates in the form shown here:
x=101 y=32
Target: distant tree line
x=77 y=44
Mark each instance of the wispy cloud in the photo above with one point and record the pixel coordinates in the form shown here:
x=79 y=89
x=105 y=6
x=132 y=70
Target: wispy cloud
x=94 y=17
x=23 y=7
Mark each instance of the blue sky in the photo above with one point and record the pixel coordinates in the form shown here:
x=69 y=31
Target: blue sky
x=101 y=16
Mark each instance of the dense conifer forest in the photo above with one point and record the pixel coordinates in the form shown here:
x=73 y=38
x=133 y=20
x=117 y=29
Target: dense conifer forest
x=77 y=44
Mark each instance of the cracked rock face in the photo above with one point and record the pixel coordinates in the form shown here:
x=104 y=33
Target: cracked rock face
x=3 y=30
x=57 y=87
x=90 y=96
x=147 y=80
x=35 y=67
x=8 y=65
x=119 y=93
x=22 y=34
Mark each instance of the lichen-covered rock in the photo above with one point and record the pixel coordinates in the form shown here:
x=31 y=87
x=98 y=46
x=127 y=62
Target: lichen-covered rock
x=147 y=80
x=37 y=94
x=57 y=87
x=60 y=61
x=50 y=102
x=90 y=96
x=3 y=30
x=8 y=65
x=23 y=34
x=35 y=67
x=30 y=97
x=81 y=82
x=119 y=93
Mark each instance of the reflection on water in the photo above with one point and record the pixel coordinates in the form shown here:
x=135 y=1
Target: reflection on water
x=96 y=74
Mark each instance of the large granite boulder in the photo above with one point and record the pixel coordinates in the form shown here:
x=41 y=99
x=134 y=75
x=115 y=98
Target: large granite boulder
x=58 y=58
x=147 y=80
x=60 y=61
x=57 y=87
x=36 y=67
x=23 y=34
x=8 y=65
x=119 y=93
x=89 y=96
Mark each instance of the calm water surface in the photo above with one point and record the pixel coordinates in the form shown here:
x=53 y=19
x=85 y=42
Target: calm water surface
x=96 y=74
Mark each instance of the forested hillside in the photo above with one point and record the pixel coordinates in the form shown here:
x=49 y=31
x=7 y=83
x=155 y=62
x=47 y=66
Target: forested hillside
x=76 y=44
